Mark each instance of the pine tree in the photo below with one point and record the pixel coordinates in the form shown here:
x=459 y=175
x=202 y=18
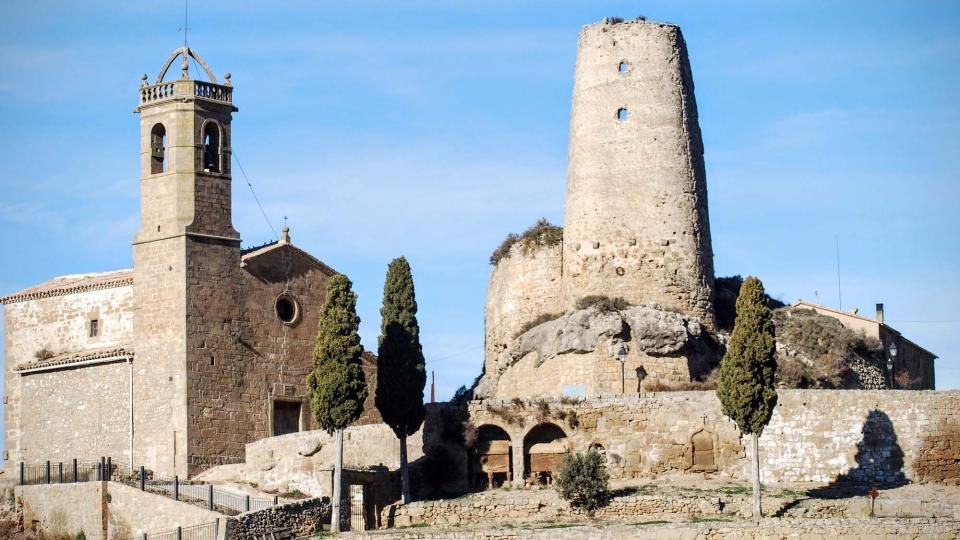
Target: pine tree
x=336 y=385
x=748 y=372
x=401 y=370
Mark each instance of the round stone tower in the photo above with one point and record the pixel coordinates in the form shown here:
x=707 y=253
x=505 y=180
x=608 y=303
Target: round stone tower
x=636 y=223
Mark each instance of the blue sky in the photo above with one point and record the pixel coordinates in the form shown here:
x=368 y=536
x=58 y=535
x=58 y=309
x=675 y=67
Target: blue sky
x=432 y=129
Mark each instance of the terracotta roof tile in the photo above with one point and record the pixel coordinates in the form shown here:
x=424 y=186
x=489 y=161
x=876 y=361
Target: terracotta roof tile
x=71 y=284
x=113 y=352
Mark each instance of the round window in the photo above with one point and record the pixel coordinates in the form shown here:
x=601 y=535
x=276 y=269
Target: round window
x=287 y=309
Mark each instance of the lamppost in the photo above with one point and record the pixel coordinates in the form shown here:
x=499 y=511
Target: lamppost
x=891 y=361
x=622 y=357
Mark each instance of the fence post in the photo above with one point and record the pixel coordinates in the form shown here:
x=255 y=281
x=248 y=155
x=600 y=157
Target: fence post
x=74 y=470
x=46 y=472
x=176 y=489
x=179 y=533
x=109 y=469
x=276 y=500
x=144 y=536
x=143 y=479
x=23 y=473
x=103 y=468
x=60 y=472
x=246 y=503
x=99 y=472
x=210 y=496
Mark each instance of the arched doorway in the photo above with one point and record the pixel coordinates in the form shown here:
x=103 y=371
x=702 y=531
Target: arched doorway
x=703 y=454
x=491 y=458
x=543 y=450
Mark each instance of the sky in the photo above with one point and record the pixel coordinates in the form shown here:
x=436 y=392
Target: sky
x=433 y=129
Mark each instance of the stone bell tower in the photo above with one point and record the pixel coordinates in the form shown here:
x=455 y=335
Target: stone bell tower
x=635 y=222
x=186 y=258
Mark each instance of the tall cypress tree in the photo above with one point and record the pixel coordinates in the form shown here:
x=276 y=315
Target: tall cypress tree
x=336 y=385
x=748 y=372
x=401 y=369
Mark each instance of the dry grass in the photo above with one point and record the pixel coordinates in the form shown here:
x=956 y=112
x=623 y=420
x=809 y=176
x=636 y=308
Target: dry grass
x=823 y=349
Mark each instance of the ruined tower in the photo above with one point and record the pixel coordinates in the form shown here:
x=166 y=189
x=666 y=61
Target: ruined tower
x=635 y=222
x=186 y=258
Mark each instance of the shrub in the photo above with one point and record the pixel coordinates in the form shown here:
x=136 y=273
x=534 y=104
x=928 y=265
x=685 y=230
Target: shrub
x=541 y=234
x=602 y=303
x=583 y=480
x=44 y=354
x=615 y=20
x=543 y=318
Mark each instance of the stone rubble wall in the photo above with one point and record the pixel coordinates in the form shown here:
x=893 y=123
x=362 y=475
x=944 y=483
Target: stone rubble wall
x=302 y=518
x=768 y=529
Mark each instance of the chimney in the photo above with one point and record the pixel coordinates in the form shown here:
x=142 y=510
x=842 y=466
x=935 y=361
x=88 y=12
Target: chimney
x=880 y=313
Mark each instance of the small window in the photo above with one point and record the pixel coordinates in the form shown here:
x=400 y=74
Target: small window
x=94 y=327
x=287 y=309
x=158 y=149
x=211 y=147
x=623 y=67
x=621 y=114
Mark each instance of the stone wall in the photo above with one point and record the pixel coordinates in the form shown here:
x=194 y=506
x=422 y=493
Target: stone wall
x=108 y=511
x=778 y=529
x=635 y=221
x=523 y=286
x=58 y=324
x=302 y=518
x=131 y=512
x=814 y=435
x=64 y=509
x=81 y=413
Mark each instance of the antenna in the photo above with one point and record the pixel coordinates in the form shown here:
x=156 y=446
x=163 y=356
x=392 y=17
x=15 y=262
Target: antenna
x=186 y=18
x=836 y=240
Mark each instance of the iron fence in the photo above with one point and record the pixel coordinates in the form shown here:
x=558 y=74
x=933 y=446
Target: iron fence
x=196 y=532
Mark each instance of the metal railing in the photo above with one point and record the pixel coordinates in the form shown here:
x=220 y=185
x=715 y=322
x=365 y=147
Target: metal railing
x=200 y=494
x=196 y=532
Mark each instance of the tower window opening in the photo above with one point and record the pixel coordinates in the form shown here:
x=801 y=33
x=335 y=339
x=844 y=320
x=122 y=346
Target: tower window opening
x=94 y=327
x=211 y=147
x=158 y=149
x=622 y=114
x=624 y=66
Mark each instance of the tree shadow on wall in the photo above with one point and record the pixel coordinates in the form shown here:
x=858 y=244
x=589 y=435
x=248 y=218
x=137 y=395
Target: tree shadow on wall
x=879 y=462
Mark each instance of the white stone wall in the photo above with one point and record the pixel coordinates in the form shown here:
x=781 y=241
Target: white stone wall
x=58 y=324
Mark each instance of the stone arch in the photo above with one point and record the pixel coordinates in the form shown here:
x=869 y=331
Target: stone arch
x=544 y=447
x=491 y=458
x=212 y=141
x=703 y=445
x=158 y=148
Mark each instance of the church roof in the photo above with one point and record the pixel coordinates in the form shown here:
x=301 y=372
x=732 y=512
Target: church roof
x=102 y=355
x=284 y=242
x=74 y=283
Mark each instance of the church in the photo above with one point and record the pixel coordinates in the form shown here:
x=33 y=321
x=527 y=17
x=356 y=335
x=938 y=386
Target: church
x=198 y=349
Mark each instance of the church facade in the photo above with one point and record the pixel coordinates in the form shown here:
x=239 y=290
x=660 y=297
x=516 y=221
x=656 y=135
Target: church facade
x=198 y=349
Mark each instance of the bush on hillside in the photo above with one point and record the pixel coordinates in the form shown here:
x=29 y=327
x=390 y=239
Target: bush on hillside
x=583 y=480
x=603 y=303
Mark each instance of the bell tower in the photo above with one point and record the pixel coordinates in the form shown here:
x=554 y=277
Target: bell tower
x=186 y=258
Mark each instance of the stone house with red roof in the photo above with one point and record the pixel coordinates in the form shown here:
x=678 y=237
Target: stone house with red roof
x=198 y=349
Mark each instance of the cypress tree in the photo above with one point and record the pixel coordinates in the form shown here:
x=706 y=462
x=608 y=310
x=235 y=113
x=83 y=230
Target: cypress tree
x=401 y=369
x=748 y=372
x=336 y=385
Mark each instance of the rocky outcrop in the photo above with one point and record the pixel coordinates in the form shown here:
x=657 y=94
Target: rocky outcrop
x=649 y=329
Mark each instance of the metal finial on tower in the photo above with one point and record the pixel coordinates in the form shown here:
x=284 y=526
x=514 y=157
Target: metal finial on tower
x=186 y=21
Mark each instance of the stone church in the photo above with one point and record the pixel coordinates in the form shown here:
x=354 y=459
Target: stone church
x=198 y=349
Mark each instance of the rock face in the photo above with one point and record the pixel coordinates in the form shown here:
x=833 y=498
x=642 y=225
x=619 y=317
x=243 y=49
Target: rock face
x=657 y=342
